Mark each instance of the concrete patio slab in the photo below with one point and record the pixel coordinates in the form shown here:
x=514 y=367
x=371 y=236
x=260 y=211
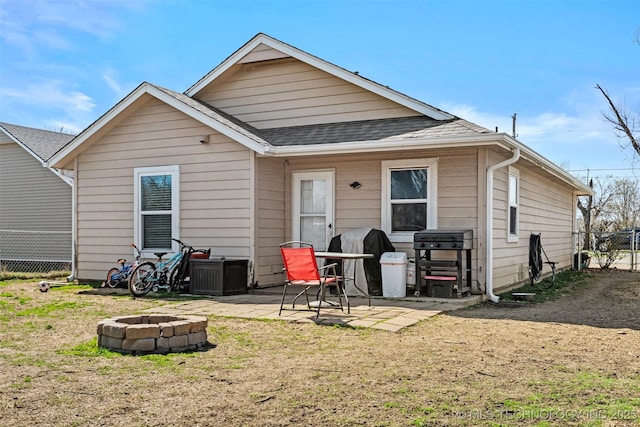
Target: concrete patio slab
x=389 y=314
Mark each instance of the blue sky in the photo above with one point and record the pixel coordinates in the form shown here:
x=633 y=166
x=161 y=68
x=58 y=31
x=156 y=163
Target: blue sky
x=64 y=63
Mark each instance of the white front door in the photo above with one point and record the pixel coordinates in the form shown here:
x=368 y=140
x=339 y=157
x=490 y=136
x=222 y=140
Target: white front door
x=312 y=200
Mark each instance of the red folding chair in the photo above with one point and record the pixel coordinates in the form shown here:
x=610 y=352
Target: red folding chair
x=301 y=269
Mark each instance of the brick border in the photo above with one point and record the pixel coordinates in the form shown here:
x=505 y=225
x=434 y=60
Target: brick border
x=152 y=333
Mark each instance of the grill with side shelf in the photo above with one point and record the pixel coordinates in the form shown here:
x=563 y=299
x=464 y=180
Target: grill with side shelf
x=444 y=278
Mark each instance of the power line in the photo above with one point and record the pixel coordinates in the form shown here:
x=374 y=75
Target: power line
x=609 y=169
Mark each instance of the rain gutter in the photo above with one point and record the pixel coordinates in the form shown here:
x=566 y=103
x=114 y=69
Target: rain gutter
x=489 y=224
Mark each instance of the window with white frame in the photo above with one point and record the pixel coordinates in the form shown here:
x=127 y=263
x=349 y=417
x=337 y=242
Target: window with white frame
x=156 y=196
x=409 y=197
x=513 y=215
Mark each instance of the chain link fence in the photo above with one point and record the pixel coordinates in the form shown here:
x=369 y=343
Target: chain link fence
x=35 y=251
x=620 y=250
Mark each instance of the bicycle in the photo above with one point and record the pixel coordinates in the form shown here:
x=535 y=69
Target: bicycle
x=166 y=275
x=117 y=276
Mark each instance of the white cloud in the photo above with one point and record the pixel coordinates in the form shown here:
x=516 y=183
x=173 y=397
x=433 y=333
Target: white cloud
x=13 y=32
x=544 y=127
x=93 y=18
x=63 y=126
x=560 y=126
x=582 y=141
x=53 y=95
x=42 y=24
x=110 y=76
x=64 y=107
x=51 y=39
x=78 y=101
x=470 y=113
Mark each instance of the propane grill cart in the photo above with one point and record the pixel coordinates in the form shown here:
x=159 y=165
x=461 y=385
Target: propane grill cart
x=444 y=278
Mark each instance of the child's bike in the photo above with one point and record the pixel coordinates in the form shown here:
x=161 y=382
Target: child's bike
x=120 y=276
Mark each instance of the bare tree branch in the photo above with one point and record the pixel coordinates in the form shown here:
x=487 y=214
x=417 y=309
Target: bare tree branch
x=621 y=122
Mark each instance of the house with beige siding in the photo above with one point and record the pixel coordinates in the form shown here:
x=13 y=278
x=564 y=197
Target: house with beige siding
x=264 y=149
x=35 y=201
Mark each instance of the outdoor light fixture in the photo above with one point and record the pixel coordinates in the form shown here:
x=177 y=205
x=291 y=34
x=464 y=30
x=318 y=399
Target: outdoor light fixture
x=204 y=139
x=355 y=185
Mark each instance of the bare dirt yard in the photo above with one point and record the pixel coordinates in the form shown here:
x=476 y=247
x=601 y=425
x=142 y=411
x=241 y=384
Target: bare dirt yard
x=574 y=360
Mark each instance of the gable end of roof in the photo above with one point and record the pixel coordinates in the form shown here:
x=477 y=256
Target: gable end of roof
x=288 y=50
x=204 y=113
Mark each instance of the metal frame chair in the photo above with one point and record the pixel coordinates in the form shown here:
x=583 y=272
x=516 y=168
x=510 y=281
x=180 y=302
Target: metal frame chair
x=301 y=269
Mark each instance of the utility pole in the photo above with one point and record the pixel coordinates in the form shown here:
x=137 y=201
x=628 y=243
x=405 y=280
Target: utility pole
x=587 y=225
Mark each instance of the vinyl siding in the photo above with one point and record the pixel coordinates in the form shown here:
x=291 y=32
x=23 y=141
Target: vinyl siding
x=271 y=228
x=35 y=208
x=545 y=206
x=288 y=92
x=457 y=191
x=215 y=207
x=33 y=198
x=262 y=53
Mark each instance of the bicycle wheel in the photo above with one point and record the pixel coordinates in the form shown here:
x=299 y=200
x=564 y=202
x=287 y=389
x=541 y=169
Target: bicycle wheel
x=177 y=278
x=142 y=279
x=111 y=282
x=178 y=273
x=174 y=278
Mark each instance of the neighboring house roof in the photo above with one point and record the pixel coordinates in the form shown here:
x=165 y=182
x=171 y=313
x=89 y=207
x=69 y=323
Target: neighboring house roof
x=41 y=143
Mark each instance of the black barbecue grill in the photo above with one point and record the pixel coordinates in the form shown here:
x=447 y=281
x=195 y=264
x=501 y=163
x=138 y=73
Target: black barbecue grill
x=445 y=278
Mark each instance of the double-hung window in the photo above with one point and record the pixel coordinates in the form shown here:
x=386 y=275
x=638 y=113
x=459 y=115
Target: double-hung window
x=513 y=216
x=156 y=193
x=409 y=197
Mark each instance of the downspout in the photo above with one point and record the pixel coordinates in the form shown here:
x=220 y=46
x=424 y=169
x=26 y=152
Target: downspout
x=74 y=218
x=489 y=224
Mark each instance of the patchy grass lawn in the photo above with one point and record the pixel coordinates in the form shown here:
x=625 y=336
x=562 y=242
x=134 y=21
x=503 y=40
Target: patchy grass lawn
x=547 y=289
x=572 y=360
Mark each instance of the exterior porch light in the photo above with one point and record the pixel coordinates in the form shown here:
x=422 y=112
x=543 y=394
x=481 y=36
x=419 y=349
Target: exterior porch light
x=355 y=185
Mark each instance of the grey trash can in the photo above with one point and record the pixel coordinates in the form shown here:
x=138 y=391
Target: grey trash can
x=394 y=274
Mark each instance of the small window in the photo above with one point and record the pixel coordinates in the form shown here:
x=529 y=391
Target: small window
x=156 y=207
x=513 y=205
x=409 y=197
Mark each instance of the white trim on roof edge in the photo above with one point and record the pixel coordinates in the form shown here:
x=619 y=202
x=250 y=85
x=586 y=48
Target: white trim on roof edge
x=23 y=146
x=61 y=157
x=323 y=65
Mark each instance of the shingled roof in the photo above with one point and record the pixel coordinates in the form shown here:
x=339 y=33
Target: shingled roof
x=47 y=143
x=328 y=133
x=370 y=130
x=42 y=143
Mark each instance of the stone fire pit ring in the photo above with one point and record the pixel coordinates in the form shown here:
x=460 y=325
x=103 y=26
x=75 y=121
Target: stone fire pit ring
x=153 y=333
